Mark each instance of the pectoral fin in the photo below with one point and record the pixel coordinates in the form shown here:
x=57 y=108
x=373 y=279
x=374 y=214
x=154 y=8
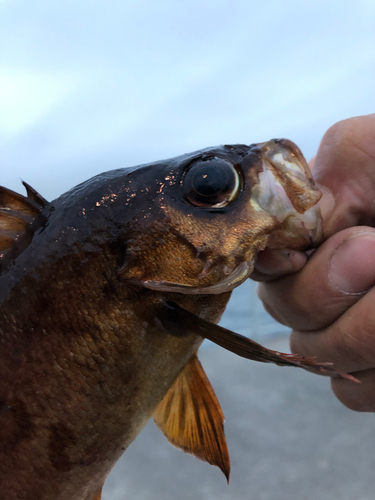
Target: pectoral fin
x=191 y=418
x=180 y=322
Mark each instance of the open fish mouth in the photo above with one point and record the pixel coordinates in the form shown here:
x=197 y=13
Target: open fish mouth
x=286 y=190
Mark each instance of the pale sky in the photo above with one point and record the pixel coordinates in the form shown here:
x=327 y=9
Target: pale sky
x=88 y=86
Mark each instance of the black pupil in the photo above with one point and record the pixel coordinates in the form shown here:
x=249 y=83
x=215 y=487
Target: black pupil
x=209 y=180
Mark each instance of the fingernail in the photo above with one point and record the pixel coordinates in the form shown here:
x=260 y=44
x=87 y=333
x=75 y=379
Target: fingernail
x=352 y=266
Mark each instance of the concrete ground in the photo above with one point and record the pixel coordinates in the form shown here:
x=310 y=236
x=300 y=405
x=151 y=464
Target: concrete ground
x=288 y=437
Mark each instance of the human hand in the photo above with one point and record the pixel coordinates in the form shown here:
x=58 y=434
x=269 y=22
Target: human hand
x=330 y=301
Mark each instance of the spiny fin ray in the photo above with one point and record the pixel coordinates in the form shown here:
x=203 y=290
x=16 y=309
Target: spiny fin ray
x=180 y=322
x=18 y=216
x=34 y=195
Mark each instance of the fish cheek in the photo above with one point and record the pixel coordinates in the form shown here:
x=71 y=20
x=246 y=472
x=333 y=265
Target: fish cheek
x=189 y=245
x=159 y=252
x=229 y=236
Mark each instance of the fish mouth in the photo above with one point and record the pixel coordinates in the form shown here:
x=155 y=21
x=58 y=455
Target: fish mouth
x=286 y=191
x=233 y=280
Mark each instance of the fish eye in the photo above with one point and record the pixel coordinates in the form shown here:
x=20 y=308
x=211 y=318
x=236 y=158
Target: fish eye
x=211 y=183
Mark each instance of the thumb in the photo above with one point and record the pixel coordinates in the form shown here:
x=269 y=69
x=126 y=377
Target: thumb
x=336 y=276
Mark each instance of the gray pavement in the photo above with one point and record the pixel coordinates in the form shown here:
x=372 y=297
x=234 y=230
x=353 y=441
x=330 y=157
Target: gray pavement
x=288 y=437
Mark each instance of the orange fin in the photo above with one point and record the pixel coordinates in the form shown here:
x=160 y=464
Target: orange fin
x=191 y=418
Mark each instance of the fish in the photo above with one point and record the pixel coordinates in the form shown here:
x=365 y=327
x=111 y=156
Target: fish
x=107 y=293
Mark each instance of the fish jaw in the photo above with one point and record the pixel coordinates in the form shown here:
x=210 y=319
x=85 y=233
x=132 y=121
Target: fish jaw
x=286 y=191
x=233 y=280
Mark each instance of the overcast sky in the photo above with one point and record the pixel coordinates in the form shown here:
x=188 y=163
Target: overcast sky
x=88 y=86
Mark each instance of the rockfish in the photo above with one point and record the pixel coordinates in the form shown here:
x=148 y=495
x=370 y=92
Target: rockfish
x=106 y=294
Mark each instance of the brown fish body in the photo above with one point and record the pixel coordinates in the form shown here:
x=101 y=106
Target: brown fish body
x=84 y=358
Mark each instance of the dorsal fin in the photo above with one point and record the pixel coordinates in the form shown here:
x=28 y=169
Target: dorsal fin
x=34 y=195
x=191 y=418
x=10 y=200
x=17 y=221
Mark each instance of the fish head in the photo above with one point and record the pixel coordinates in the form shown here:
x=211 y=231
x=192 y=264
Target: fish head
x=209 y=213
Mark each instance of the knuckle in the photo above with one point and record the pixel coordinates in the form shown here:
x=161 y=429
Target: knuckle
x=357 y=346
x=269 y=305
x=339 y=132
x=347 y=348
x=356 y=132
x=297 y=345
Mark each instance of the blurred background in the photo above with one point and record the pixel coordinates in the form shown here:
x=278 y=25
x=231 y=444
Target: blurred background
x=88 y=86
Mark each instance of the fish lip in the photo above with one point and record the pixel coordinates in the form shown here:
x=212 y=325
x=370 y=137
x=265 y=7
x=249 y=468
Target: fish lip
x=286 y=191
x=291 y=170
x=235 y=278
